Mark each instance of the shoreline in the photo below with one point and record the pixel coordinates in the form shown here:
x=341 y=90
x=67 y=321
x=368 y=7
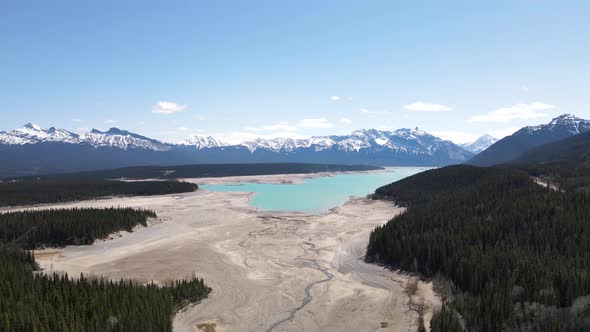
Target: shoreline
x=304 y=271
x=274 y=178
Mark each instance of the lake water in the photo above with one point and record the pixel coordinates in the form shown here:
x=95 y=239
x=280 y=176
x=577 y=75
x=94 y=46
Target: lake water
x=316 y=195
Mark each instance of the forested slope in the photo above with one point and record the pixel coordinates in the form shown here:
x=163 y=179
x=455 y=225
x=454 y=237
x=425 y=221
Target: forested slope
x=33 y=301
x=518 y=253
x=565 y=163
x=57 y=228
x=201 y=171
x=55 y=191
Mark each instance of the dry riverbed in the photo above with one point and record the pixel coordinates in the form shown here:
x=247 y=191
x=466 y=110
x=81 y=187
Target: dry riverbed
x=269 y=272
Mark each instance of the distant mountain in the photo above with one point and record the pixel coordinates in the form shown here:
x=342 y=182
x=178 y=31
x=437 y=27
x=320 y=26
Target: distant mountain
x=480 y=144
x=511 y=147
x=31 y=134
x=33 y=150
x=370 y=146
x=201 y=142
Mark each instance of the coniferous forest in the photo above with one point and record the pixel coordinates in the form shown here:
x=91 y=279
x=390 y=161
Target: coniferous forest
x=50 y=191
x=517 y=253
x=56 y=228
x=33 y=301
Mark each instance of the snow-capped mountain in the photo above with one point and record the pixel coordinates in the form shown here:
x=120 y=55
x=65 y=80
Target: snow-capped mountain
x=480 y=144
x=201 y=142
x=123 y=139
x=34 y=150
x=32 y=133
x=367 y=146
x=565 y=124
x=402 y=140
x=511 y=147
x=114 y=137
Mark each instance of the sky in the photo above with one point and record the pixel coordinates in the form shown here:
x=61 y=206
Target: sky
x=243 y=69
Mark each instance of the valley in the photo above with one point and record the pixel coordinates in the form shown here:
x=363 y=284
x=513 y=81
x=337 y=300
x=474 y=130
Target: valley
x=268 y=271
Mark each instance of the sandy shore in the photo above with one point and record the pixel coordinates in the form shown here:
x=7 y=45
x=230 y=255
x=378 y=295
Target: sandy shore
x=269 y=272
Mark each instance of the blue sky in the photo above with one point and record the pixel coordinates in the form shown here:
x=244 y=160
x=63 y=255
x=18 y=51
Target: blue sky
x=240 y=69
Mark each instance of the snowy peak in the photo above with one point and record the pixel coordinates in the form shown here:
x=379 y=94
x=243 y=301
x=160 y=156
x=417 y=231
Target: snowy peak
x=401 y=140
x=201 y=142
x=32 y=133
x=123 y=139
x=567 y=123
x=114 y=137
x=564 y=118
x=32 y=126
x=480 y=144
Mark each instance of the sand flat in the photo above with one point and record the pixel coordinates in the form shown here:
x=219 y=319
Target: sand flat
x=268 y=271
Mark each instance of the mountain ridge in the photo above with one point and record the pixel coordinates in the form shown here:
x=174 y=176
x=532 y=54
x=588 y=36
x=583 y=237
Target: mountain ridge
x=526 y=138
x=33 y=150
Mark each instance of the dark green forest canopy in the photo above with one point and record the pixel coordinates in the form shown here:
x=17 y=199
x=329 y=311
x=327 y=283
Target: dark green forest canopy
x=565 y=163
x=61 y=227
x=518 y=253
x=33 y=301
x=201 y=171
x=55 y=191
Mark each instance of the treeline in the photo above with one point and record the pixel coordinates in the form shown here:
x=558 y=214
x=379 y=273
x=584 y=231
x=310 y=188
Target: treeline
x=200 y=171
x=33 y=301
x=56 y=228
x=518 y=254
x=50 y=191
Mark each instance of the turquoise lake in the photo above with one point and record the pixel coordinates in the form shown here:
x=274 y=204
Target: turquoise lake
x=316 y=195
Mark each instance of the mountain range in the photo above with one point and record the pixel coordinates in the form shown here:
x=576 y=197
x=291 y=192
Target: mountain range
x=33 y=150
x=513 y=146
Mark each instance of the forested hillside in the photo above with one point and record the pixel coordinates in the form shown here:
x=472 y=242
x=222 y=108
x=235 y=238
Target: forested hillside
x=517 y=253
x=55 y=191
x=565 y=163
x=33 y=301
x=201 y=171
x=56 y=228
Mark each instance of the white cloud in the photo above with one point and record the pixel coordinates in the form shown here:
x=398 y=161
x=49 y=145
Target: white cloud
x=314 y=123
x=76 y=120
x=110 y=121
x=427 y=107
x=183 y=128
x=334 y=98
x=524 y=88
x=518 y=111
x=455 y=136
x=167 y=107
x=345 y=121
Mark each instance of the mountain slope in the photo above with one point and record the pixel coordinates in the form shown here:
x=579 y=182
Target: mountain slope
x=565 y=163
x=511 y=147
x=480 y=144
